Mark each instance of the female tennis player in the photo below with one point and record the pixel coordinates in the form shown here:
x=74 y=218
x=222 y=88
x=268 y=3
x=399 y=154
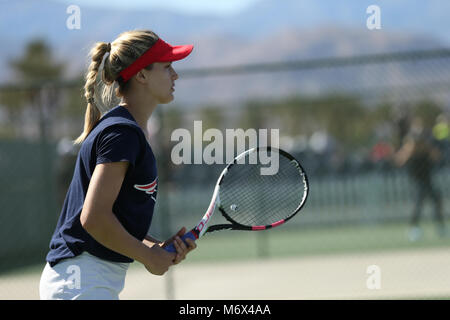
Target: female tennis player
x=109 y=206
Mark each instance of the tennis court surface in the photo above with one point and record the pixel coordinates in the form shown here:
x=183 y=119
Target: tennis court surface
x=404 y=274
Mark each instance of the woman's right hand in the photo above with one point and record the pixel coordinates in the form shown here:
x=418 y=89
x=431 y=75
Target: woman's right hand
x=159 y=261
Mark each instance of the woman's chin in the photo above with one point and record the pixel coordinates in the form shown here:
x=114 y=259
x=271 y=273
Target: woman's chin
x=169 y=98
x=166 y=100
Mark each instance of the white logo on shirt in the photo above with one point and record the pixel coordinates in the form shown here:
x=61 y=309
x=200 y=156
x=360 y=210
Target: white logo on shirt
x=148 y=188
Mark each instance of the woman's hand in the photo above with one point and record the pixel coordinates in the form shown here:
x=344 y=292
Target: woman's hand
x=159 y=261
x=180 y=246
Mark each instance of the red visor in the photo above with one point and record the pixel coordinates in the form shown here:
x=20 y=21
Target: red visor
x=160 y=52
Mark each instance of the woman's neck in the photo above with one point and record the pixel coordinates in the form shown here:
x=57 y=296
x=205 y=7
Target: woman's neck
x=140 y=112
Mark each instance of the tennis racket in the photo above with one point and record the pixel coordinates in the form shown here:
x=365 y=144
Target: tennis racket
x=253 y=201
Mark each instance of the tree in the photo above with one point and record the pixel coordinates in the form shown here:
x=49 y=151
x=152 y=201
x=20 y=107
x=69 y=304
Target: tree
x=37 y=64
x=33 y=69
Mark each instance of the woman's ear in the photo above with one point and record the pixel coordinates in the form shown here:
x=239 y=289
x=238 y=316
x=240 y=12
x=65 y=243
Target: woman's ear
x=141 y=76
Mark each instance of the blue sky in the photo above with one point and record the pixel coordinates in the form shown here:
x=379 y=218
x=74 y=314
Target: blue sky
x=220 y=7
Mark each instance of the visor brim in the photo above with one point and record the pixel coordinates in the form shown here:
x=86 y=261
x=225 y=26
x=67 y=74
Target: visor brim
x=177 y=53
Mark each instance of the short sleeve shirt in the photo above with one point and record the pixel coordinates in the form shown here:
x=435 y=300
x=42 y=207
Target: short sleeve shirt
x=115 y=138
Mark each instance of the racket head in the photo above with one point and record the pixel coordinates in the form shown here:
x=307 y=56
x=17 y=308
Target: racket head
x=250 y=200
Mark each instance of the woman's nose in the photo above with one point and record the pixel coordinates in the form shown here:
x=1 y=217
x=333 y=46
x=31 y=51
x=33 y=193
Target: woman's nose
x=174 y=75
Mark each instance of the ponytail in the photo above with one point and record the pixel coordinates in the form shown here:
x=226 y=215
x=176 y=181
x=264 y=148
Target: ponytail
x=93 y=113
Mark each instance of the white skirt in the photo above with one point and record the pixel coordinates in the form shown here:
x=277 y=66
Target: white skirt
x=84 y=277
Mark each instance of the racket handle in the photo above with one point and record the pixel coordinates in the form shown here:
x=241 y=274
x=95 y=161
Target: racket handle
x=190 y=235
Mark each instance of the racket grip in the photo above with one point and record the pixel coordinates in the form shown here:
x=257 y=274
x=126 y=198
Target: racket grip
x=190 y=235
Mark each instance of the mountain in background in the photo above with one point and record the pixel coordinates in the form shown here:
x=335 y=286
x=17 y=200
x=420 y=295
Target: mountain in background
x=26 y=18
x=268 y=31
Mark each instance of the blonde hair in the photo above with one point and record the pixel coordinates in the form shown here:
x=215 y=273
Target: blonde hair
x=123 y=52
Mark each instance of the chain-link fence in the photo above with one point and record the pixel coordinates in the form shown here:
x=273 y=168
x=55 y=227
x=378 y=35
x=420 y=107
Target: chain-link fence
x=345 y=119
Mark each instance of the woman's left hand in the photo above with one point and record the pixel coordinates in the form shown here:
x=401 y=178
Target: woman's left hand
x=182 y=248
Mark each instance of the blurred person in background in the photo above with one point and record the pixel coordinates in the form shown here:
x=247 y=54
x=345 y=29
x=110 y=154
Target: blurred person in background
x=401 y=116
x=441 y=133
x=109 y=205
x=420 y=156
x=381 y=154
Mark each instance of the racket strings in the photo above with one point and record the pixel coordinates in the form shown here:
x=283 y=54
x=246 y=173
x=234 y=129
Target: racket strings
x=252 y=199
x=265 y=203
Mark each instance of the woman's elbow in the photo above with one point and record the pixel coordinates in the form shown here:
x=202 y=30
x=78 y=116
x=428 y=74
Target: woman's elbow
x=87 y=222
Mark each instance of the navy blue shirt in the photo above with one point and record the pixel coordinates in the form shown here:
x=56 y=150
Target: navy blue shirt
x=116 y=137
